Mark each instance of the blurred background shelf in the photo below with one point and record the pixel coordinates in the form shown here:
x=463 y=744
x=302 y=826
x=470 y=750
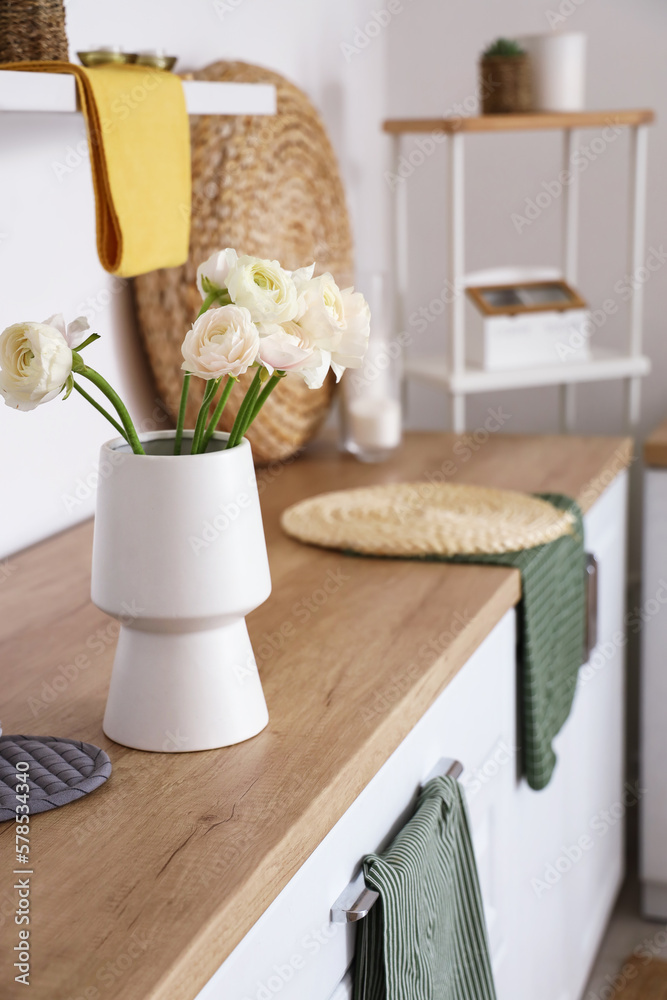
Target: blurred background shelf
x=525 y=122
x=50 y=92
x=453 y=371
x=603 y=365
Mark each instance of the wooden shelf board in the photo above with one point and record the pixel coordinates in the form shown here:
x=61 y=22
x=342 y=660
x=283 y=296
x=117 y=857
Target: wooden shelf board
x=52 y=92
x=528 y=122
x=655 y=447
x=604 y=365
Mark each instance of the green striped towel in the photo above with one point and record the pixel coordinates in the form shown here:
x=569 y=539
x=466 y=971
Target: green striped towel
x=552 y=630
x=425 y=938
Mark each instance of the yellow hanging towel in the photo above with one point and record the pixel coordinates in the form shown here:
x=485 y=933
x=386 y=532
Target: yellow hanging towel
x=139 y=139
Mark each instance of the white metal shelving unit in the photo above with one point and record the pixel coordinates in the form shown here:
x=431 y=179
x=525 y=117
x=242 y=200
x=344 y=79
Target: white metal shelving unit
x=451 y=370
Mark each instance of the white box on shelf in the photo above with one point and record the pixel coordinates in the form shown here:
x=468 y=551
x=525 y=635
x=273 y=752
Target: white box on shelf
x=525 y=325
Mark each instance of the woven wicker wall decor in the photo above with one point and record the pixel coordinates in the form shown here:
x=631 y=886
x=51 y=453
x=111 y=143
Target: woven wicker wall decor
x=32 y=30
x=267 y=186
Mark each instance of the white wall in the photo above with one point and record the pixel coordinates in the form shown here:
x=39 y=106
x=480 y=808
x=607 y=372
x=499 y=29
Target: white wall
x=420 y=63
x=48 y=259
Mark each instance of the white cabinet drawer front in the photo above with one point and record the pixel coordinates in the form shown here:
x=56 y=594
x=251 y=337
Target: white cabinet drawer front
x=569 y=862
x=345 y=990
x=294 y=951
x=605 y=536
x=654 y=682
x=592 y=744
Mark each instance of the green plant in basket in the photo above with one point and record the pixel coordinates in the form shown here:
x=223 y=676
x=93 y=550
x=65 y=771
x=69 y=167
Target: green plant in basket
x=504 y=47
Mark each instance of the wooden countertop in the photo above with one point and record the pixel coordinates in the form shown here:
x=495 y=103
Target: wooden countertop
x=141 y=890
x=655 y=447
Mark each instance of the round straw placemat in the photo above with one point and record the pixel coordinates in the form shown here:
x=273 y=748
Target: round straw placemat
x=420 y=519
x=267 y=186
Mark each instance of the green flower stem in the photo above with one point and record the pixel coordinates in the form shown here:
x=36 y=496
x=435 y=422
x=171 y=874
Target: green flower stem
x=200 y=426
x=100 y=409
x=245 y=407
x=89 y=340
x=262 y=398
x=217 y=413
x=180 y=423
x=211 y=298
x=118 y=404
x=222 y=296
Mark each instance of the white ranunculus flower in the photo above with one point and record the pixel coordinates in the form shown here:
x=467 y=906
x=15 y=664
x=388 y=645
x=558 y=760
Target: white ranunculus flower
x=35 y=363
x=286 y=348
x=321 y=312
x=281 y=348
x=74 y=332
x=301 y=276
x=216 y=269
x=337 y=323
x=263 y=287
x=353 y=343
x=223 y=341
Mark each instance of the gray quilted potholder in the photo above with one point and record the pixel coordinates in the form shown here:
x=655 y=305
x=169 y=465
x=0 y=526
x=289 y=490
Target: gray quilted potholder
x=59 y=771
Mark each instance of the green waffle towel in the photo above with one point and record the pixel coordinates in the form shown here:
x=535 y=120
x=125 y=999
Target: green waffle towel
x=552 y=631
x=425 y=939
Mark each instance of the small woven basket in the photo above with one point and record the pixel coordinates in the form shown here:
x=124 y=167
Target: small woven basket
x=505 y=84
x=32 y=30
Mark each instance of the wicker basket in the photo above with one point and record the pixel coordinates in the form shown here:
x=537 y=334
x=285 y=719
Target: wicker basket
x=32 y=30
x=505 y=84
x=267 y=186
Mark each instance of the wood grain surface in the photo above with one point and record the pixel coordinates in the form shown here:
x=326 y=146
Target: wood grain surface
x=655 y=447
x=142 y=889
x=526 y=122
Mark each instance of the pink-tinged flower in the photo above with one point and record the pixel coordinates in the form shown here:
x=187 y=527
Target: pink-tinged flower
x=333 y=325
x=286 y=348
x=321 y=311
x=223 y=341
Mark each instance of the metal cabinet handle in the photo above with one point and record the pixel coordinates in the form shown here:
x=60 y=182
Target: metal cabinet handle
x=356 y=899
x=354 y=902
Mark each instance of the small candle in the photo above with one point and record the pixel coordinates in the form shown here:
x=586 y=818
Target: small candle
x=374 y=422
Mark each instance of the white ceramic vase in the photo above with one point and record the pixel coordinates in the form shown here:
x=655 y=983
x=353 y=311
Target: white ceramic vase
x=558 y=70
x=179 y=558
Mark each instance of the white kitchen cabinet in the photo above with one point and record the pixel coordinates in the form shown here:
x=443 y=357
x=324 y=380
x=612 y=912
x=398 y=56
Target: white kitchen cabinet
x=542 y=941
x=653 y=749
x=570 y=835
x=344 y=990
x=294 y=949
